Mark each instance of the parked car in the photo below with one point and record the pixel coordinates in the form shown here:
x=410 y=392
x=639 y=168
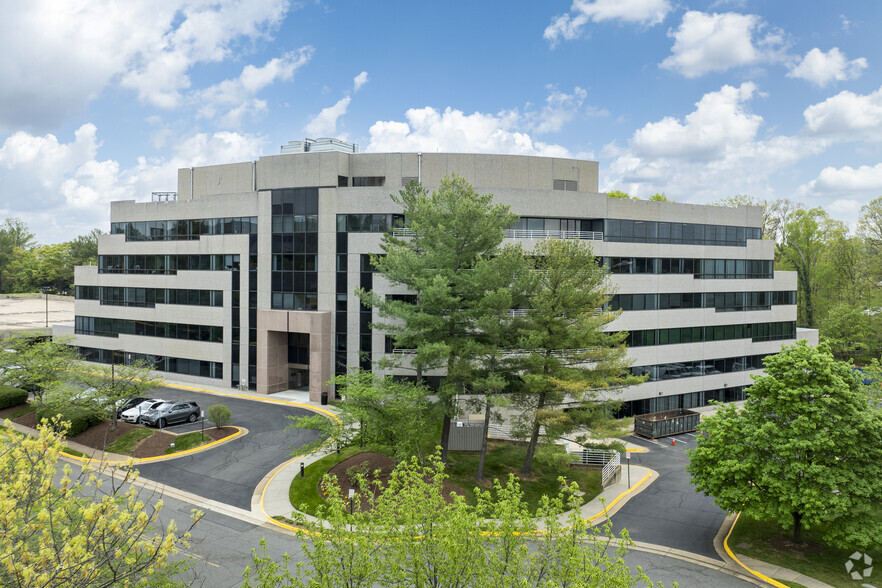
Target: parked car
x=134 y=413
x=169 y=413
x=129 y=403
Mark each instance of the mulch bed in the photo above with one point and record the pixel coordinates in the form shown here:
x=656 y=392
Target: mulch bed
x=4 y=413
x=157 y=443
x=381 y=462
x=101 y=435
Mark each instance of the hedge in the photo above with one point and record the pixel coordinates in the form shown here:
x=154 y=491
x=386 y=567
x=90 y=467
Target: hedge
x=79 y=417
x=12 y=396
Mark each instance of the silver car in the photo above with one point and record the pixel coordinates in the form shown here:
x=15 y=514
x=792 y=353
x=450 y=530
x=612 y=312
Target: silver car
x=133 y=414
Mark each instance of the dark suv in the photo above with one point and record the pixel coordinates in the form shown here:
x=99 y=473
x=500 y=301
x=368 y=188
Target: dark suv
x=170 y=413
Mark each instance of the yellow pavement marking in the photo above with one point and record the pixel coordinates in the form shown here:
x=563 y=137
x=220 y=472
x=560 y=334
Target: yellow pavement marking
x=620 y=496
x=762 y=577
x=239 y=432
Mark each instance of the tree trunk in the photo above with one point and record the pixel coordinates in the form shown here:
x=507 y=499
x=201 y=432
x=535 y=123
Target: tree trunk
x=797 y=527
x=534 y=438
x=445 y=437
x=485 y=431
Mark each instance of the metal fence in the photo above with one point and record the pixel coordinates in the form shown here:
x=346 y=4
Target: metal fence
x=606 y=460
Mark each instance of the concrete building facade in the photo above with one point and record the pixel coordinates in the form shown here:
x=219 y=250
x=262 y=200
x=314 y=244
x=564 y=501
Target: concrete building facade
x=247 y=277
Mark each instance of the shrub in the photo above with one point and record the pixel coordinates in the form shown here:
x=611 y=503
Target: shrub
x=80 y=417
x=219 y=414
x=359 y=470
x=12 y=396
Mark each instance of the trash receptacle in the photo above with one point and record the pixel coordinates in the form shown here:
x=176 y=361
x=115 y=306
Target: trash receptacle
x=324 y=398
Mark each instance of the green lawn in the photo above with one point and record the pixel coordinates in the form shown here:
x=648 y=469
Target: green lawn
x=188 y=441
x=761 y=540
x=22 y=411
x=304 y=491
x=504 y=459
x=127 y=441
x=501 y=460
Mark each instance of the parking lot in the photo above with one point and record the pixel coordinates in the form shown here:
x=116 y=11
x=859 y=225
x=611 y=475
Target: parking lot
x=231 y=472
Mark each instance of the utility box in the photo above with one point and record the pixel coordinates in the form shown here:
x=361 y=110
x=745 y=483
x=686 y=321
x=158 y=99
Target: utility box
x=667 y=422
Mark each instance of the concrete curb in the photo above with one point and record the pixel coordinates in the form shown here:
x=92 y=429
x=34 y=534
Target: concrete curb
x=764 y=571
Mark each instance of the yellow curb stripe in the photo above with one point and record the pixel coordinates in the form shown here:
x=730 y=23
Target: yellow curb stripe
x=759 y=575
x=620 y=496
x=135 y=461
x=637 y=450
x=257 y=398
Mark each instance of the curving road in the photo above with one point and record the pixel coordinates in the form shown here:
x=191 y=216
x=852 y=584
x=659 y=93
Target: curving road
x=669 y=511
x=231 y=472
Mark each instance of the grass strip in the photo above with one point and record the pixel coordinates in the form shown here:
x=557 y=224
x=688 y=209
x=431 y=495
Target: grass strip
x=502 y=459
x=125 y=443
x=188 y=441
x=73 y=452
x=22 y=411
x=770 y=543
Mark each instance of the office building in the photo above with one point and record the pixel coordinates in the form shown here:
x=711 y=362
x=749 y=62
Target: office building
x=245 y=276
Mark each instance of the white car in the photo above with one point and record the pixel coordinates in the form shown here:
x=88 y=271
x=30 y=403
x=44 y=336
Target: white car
x=133 y=415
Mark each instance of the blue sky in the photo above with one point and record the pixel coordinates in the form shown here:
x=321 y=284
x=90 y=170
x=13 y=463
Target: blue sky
x=103 y=100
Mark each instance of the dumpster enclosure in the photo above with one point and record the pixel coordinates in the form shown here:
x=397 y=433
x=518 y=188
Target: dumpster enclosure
x=667 y=422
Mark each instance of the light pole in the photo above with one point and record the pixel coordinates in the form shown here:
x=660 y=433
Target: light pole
x=45 y=291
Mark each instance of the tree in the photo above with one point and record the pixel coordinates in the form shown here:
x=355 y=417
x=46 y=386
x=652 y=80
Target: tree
x=107 y=386
x=801 y=247
x=31 y=361
x=660 y=197
x=219 y=414
x=77 y=531
x=846 y=331
x=805 y=450
x=14 y=236
x=569 y=360
x=379 y=410
x=412 y=535
x=447 y=233
x=619 y=194
x=84 y=249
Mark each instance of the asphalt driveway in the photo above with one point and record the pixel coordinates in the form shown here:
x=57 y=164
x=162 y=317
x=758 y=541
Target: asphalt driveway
x=230 y=473
x=669 y=511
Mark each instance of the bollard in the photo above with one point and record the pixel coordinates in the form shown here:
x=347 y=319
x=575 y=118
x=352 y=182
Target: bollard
x=302 y=469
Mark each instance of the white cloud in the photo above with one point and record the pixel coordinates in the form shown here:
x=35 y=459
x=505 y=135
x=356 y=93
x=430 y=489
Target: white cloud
x=69 y=188
x=324 y=124
x=707 y=43
x=822 y=68
x=569 y=26
x=719 y=122
x=847 y=116
x=359 y=81
x=231 y=100
x=61 y=55
x=714 y=151
x=559 y=109
x=453 y=131
x=845 y=181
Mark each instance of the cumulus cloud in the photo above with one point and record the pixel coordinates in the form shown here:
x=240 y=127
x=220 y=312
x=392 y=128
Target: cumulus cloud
x=845 y=180
x=66 y=53
x=707 y=43
x=715 y=149
x=324 y=124
x=847 y=116
x=68 y=186
x=569 y=26
x=427 y=129
x=231 y=100
x=822 y=68
x=359 y=81
x=559 y=109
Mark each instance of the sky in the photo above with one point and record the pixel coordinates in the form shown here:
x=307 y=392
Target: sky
x=102 y=100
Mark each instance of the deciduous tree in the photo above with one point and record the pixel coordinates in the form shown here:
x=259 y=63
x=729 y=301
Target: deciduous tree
x=35 y=363
x=412 y=535
x=805 y=450
x=85 y=530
